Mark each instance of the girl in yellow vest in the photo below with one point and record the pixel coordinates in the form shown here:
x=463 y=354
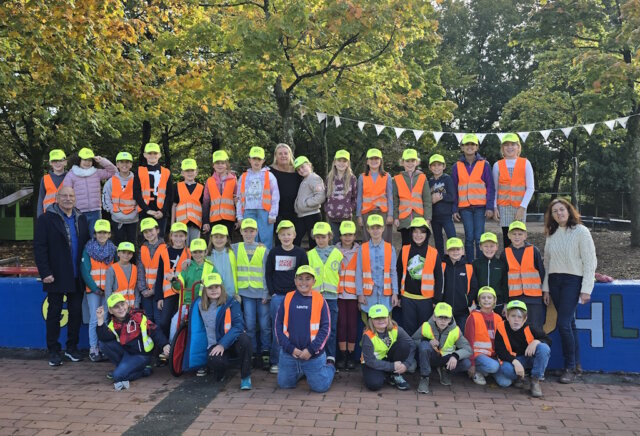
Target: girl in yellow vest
x=187 y=200
x=50 y=182
x=251 y=258
x=347 y=298
x=219 y=200
x=386 y=351
x=117 y=199
x=342 y=191
x=375 y=194
x=411 y=195
x=223 y=258
x=97 y=257
x=122 y=276
x=325 y=259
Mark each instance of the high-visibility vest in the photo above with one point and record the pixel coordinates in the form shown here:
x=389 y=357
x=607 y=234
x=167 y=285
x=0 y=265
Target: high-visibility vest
x=122 y=200
x=250 y=272
x=505 y=338
x=374 y=194
x=222 y=206
x=380 y=349
x=428 y=283
x=50 y=191
x=367 y=278
x=98 y=274
x=327 y=273
x=317 y=303
x=449 y=345
x=126 y=287
x=348 y=275
x=482 y=341
x=468 y=267
x=266 y=191
x=147 y=190
x=189 y=208
x=151 y=266
x=410 y=200
x=471 y=188
x=177 y=269
x=523 y=278
x=227 y=320
x=511 y=189
x=147 y=342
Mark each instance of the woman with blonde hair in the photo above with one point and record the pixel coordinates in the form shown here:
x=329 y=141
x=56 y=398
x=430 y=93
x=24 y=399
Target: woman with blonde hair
x=288 y=182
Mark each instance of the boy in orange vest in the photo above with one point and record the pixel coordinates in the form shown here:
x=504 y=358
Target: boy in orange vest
x=50 y=182
x=122 y=276
x=153 y=267
x=187 y=200
x=153 y=188
x=117 y=199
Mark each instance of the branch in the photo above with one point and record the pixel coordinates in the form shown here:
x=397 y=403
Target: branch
x=286 y=55
x=181 y=132
x=230 y=5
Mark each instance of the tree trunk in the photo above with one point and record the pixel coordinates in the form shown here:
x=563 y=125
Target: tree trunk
x=633 y=136
x=559 y=171
x=36 y=172
x=146 y=138
x=283 y=100
x=165 y=146
x=574 y=182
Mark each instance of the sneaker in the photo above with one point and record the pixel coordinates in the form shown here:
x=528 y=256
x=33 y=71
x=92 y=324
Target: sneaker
x=400 y=382
x=536 y=390
x=479 y=379
x=350 y=363
x=55 y=359
x=103 y=358
x=110 y=375
x=147 y=371
x=125 y=384
x=341 y=363
x=245 y=384
x=519 y=383
x=202 y=372
x=567 y=377
x=118 y=386
x=423 y=387
x=94 y=357
x=445 y=376
x=73 y=355
x=265 y=361
x=273 y=369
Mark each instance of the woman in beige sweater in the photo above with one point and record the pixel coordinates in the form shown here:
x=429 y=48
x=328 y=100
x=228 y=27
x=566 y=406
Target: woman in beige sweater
x=570 y=264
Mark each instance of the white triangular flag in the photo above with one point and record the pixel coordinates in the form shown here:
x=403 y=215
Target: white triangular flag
x=623 y=122
x=418 y=134
x=523 y=136
x=437 y=135
x=545 y=133
x=399 y=131
x=459 y=136
x=566 y=131
x=321 y=116
x=500 y=136
x=481 y=137
x=610 y=124
x=379 y=128
x=337 y=120
x=589 y=128
x=361 y=125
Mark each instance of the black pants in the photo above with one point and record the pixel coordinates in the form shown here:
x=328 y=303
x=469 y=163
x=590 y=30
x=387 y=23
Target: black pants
x=230 y=225
x=415 y=312
x=169 y=308
x=505 y=237
x=406 y=235
x=374 y=378
x=124 y=232
x=74 y=307
x=242 y=349
x=304 y=226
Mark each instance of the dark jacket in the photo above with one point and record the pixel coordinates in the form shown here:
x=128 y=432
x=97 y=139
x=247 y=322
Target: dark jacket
x=492 y=272
x=134 y=346
x=52 y=250
x=455 y=286
x=517 y=340
x=412 y=285
x=444 y=185
x=237 y=323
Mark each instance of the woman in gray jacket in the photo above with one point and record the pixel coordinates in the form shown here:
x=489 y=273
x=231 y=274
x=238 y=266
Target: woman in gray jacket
x=311 y=195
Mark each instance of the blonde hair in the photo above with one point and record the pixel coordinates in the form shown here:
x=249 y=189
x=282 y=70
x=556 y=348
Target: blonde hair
x=519 y=149
x=204 y=299
x=348 y=173
x=391 y=324
x=275 y=155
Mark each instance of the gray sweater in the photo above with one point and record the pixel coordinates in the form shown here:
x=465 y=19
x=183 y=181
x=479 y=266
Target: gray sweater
x=107 y=205
x=111 y=284
x=311 y=195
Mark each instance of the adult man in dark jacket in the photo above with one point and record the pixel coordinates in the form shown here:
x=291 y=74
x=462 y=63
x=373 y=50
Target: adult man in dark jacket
x=60 y=236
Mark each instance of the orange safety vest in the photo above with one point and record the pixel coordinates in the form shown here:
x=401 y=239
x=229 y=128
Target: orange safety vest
x=468 y=267
x=222 y=207
x=50 y=190
x=317 y=302
x=511 y=189
x=266 y=191
x=348 y=276
x=145 y=186
x=374 y=195
x=186 y=254
x=98 y=274
x=126 y=287
x=122 y=200
x=227 y=320
x=151 y=267
x=471 y=188
x=367 y=278
x=410 y=200
x=482 y=342
x=189 y=208
x=505 y=338
x=523 y=278
x=428 y=283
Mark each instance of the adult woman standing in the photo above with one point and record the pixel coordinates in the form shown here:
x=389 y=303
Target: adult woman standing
x=570 y=262
x=288 y=183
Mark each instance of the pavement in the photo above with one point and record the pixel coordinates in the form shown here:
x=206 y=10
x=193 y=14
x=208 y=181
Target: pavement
x=77 y=398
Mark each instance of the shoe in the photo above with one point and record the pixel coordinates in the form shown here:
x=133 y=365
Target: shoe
x=147 y=371
x=536 y=390
x=95 y=357
x=423 y=387
x=245 y=384
x=445 y=376
x=118 y=386
x=265 y=361
x=103 y=358
x=110 y=375
x=341 y=363
x=400 y=382
x=350 y=363
x=73 y=355
x=567 y=377
x=202 y=372
x=479 y=379
x=55 y=359
x=160 y=361
x=273 y=369
x=578 y=368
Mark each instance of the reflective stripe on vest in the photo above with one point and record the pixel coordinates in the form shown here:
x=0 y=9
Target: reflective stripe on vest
x=266 y=191
x=482 y=341
x=177 y=269
x=222 y=206
x=511 y=189
x=250 y=272
x=98 y=274
x=471 y=188
x=146 y=189
x=348 y=275
x=50 y=190
x=151 y=266
x=380 y=349
x=374 y=194
x=367 y=278
x=468 y=267
x=227 y=320
x=428 y=282
x=147 y=342
x=189 y=209
x=317 y=302
x=122 y=200
x=410 y=200
x=505 y=337
x=327 y=273
x=523 y=278
x=126 y=287
x=449 y=343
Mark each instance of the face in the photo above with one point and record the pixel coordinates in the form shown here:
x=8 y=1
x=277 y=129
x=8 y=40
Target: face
x=151 y=235
x=152 y=158
x=410 y=165
x=437 y=168
x=455 y=253
x=560 y=214
x=178 y=239
x=66 y=198
x=283 y=156
x=304 y=170
x=213 y=292
x=486 y=300
x=347 y=239
x=516 y=319
x=304 y=283
x=374 y=163
x=249 y=235
x=510 y=150
x=119 y=310
x=198 y=256
x=58 y=165
x=86 y=163
x=469 y=149
x=256 y=163
x=219 y=241
x=189 y=175
x=341 y=164
x=102 y=237
x=442 y=322
x=489 y=249
x=419 y=235
x=220 y=166
x=322 y=240
x=376 y=232
x=124 y=166
x=517 y=237
x=125 y=256
x=381 y=323
x=287 y=236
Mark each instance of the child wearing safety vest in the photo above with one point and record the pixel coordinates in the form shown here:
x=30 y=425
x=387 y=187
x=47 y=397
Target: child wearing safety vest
x=258 y=196
x=480 y=331
x=442 y=345
x=98 y=255
x=515 y=185
x=411 y=195
x=51 y=182
x=347 y=298
x=128 y=341
x=492 y=271
x=117 y=199
x=460 y=284
x=220 y=254
x=420 y=270
x=153 y=188
x=387 y=351
x=311 y=195
x=219 y=200
x=153 y=268
x=251 y=259
x=187 y=200
x=342 y=192
x=525 y=273
x=122 y=276
x=325 y=259
x=375 y=195
x=442 y=198
x=521 y=346
x=475 y=193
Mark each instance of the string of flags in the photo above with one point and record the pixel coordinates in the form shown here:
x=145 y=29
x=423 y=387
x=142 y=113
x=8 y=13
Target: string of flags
x=337 y=121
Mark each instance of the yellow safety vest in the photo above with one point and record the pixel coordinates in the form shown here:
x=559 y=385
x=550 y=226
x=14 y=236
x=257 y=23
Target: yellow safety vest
x=380 y=349
x=250 y=272
x=327 y=273
x=449 y=345
x=147 y=342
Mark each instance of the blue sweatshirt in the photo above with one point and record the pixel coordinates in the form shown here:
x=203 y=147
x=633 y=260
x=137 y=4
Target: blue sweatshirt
x=299 y=332
x=444 y=185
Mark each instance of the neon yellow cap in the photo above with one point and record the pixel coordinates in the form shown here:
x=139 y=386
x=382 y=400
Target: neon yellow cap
x=347 y=228
x=454 y=243
x=152 y=147
x=102 y=226
x=57 y=154
x=437 y=158
x=189 y=164
x=86 y=153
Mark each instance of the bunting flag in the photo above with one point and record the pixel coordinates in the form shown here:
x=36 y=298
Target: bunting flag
x=610 y=124
x=399 y=131
x=481 y=137
x=567 y=131
x=321 y=116
x=418 y=134
x=500 y=136
x=523 y=136
x=459 y=136
x=545 y=133
x=361 y=125
x=337 y=120
x=589 y=128
x=437 y=136
x=379 y=128
x=623 y=122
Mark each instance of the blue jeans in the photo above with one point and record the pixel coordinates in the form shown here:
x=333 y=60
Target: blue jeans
x=319 y=374
x=331 y=342
x=265 y=230
x=92 y=217
x=537 y=363
x=486 y=365
x=150 y=308
x=95 y=300
x=438 y=223
x=473 y=223
x=274 y=305
x=253 y=308
x=428 y=355
x=128 y=366
x=564 y=290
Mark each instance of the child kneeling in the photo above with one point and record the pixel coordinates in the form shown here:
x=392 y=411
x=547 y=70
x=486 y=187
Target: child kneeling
x=441 y=345
x=128 y=341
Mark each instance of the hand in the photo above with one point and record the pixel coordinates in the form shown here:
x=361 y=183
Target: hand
x=147 y=293
x=396 y=223
x=488 y=213
x=584 y=298
x=206 y=228
x=166 y=349
x=436 y=197
x=531 y=348
x=238 y=224
x=296 y=353
x=98 y=159
x=546 y=298
x=360 y=222
x=399 y=367
x=100 y=315
x=471 y=371
x=159 y=214
x=271 y=220
x=452 y=363
x=48 y=279
x=185 y=264
x=434 y=344
x=218 y=350
x=389 y=220
x=496 y=214
x=170 y=275
x=160 y=304
x=456 y=217
x=362 y=300
x=520 y=213
x=518 y=367
x=305 y=354
x=265 y=300
x=394 y=300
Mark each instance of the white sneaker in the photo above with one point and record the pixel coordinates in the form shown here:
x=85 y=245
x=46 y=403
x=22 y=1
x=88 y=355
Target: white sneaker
x=273 y=369
x=479 y=379
x=118 y=386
